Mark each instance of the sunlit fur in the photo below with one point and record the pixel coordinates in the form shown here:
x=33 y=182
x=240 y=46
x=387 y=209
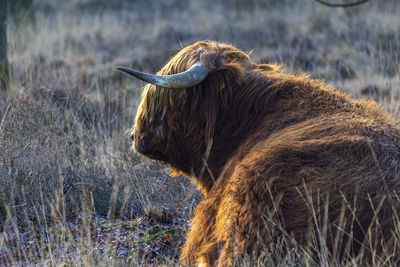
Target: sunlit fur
x=276 y=156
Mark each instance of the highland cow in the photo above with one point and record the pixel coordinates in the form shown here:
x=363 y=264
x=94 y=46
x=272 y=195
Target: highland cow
x=277 y=156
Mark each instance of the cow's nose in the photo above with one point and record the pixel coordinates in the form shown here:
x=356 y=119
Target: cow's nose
x=132 y=137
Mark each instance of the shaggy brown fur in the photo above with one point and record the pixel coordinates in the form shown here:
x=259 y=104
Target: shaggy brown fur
x=276 y=155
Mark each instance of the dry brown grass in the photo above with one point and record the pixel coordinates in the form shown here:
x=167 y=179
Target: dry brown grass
x=65 y=159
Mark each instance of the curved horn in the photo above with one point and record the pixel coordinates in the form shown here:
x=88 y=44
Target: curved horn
x=193 y=76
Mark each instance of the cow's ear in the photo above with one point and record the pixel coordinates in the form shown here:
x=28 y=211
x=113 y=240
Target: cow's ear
x=228 y=75
x=222 y=74
x=212 y=60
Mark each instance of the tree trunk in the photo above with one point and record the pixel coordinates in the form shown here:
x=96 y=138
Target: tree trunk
x=4 y=68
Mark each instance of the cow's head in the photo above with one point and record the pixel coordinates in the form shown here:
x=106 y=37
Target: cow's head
x=180 y=106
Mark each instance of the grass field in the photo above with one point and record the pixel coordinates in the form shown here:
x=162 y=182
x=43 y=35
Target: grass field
x=72 y=191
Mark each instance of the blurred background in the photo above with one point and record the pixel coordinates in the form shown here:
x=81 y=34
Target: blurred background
x=72 y=191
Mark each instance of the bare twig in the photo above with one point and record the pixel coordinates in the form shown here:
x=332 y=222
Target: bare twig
x=342 y=4
x=3 y=120
x=19 y=152
x=205 y=159
x=113 y=157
